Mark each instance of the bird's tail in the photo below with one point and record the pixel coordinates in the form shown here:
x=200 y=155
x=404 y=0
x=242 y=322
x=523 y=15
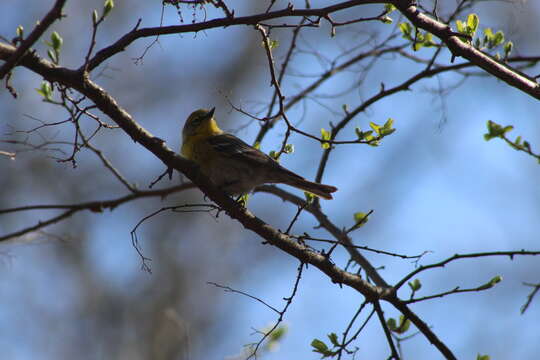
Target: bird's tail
x=321 y=190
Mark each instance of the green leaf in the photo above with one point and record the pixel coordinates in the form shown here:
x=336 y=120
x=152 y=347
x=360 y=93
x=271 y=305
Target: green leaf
x=52 y=56
x=472 y=24
x=498 y=38
x=415 y=285
x=375 y=127
x=389 y=8
x=333 y=339
x=372 y=141
x=492 y=129
x=404 y=325
x=508 y=48
x=428 y=40
x=488 y=34
x=56 y=41
x=491 y=283
x=257 y=145
x=387 y=128
x=244 y=199
x=516 y=144
x=319 y=346
x=288 y=149
x=325 y=136
x=107 y=7
x=391 y=323
x=488 y=37
x=309 y=197
x=406 y=30
x=460 y=26
x=20 y=31
x=272 y=44
x=274 y=154
x=274 y=337
x=496 y=130
x=482 y=357
x=507 y=129
x=95 y=17
x=362 y=135
x=278 y=333
x=45 y=90
x=495 y=280
x=360 y=219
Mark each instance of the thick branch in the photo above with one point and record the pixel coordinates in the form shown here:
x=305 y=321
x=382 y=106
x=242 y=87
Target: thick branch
x=108 y=106
x=340 y=235
x=372 y=272
x=496 y=68
x=423 y=327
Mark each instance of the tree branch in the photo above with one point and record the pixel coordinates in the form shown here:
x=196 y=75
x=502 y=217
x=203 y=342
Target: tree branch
x=496 y=68
x=135 y=34
x=155 y=145
x=95 y=206
x=340 y=235
x=54 y=14
x=443 y=263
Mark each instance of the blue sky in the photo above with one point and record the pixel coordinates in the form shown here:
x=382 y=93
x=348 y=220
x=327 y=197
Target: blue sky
x=433 y=185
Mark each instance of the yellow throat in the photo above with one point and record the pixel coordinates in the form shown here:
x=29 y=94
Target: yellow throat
x=199 y=126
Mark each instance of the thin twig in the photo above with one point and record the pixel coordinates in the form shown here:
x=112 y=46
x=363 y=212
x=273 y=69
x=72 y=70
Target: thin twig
x=387 y=333
x=530 y=297
x=455 y=257
x=229 y=289
x=94 y=206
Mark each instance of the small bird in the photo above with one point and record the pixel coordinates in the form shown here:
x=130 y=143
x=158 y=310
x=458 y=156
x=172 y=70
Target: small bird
x=234 y=166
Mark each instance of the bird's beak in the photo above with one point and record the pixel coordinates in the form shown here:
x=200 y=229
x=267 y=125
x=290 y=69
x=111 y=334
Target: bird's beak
x=210 y=114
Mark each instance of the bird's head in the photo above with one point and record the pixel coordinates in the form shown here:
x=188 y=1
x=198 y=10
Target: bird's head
x=201 y=122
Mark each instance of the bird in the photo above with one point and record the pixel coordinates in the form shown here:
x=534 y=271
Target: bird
x=234 y=166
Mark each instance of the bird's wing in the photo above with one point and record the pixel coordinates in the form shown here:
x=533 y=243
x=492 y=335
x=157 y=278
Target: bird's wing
x=231 y=146
x=234 y=148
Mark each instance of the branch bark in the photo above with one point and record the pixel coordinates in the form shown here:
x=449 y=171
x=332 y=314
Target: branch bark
x=496 y=68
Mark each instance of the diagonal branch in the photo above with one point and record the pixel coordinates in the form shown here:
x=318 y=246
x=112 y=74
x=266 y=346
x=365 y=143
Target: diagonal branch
x=496 y=68
x=156 y=146
x=336 y=232
x=43 y=25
